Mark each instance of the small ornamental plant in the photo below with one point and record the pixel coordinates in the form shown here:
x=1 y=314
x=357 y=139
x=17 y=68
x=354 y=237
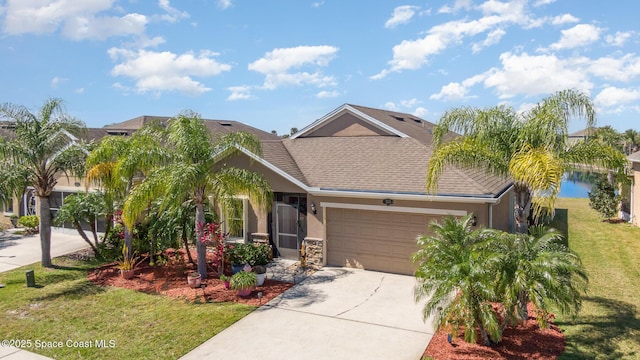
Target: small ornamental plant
x=243 y=280
x=213 y=236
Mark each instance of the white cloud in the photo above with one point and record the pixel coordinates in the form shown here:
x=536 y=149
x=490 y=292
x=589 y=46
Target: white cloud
x=612 y=96
x=564 y=19
x=413 y=54
x=240 y=93
x=276 y=65
x=390 y=105
x=401 y=15
x=79 y=90
x=166 y=71
x=173 y=15
x=451 y=91
x=543 y=2
x=410 y=102
x=624 y=69
x=57 y=81
x=619 y=38
x=225 y=4
x=78 y=20
x=535 y=75
x=457 y=91
x=420 y=112
x=577 y=36
x=317 y=4
x=459 y=4
x=101 y=28
x=492 y=39
x=327 y=94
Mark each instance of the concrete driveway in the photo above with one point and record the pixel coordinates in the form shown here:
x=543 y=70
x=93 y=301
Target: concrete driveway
x=336 y=313
x=16 y=251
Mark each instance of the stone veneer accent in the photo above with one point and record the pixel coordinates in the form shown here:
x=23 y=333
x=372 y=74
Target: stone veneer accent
x=313 y=252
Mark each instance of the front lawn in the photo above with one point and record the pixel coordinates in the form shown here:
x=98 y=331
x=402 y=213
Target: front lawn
x=67 y=309
x=608 y=327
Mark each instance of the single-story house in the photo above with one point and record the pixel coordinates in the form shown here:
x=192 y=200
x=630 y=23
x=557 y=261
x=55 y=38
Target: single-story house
x=349 y=189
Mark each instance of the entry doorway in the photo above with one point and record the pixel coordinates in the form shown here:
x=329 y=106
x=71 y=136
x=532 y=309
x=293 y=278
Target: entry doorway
x=290 y=223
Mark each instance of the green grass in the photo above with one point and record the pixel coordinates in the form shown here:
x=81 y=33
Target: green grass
x=608 y=326
x=66 y=306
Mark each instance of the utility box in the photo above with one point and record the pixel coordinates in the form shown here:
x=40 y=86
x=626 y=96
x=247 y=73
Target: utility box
x=31 y=278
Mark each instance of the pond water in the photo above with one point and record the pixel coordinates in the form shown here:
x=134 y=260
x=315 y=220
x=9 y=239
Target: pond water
x=573 y=187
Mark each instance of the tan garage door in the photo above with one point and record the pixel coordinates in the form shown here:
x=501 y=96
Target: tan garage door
x=374 y=240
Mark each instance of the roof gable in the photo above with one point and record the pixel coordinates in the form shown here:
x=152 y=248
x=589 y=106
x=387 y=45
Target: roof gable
x=347 y=121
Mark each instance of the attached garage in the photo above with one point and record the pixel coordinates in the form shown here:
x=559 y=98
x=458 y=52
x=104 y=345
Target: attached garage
x=375 y=239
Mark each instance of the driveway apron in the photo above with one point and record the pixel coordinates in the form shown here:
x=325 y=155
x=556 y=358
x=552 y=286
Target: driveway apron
x=336 y=313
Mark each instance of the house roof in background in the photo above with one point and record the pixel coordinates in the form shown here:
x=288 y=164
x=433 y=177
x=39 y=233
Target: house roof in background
x=635 y=157
x=584 y=133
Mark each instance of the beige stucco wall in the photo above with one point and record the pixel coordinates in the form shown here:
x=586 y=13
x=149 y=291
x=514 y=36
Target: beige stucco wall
x=503 y=212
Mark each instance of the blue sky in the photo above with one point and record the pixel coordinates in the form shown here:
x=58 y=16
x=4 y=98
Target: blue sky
x=283 y=63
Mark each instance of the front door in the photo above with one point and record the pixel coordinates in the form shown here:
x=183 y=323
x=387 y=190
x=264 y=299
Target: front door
x=291 y=225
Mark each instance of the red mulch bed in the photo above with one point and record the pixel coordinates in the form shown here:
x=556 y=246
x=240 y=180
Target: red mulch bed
x=525 y=341
x=171 y=280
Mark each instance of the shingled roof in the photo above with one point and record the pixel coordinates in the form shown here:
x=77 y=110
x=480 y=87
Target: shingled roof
x=361 y=158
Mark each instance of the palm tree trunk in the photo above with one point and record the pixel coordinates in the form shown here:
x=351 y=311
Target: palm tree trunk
x=522 y=208
x=128 y=236
x=523 y=301
x=185 y=240
x=201 y=248
x=45 y=230
x=84 y=236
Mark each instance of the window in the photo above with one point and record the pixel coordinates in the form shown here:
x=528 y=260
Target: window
x=234 y=219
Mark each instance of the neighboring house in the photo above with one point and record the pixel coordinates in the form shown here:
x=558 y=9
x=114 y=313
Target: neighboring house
x=581 y=135
x=634 y=201
x=349 y=189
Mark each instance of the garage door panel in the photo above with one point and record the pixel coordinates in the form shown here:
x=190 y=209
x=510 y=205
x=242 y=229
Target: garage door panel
x=374 y=240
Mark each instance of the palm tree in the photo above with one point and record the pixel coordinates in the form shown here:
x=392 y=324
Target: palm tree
x=452 y=274
x=117 y=162
x=631 y=140
x=194 y=168
x=537 y=268
x=37 y=152
x=532 y=148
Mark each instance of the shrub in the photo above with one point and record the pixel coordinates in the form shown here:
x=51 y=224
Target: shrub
x=603 y=198
x=30 y=223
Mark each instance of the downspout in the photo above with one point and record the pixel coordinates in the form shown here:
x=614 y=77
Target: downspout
x=491 y=216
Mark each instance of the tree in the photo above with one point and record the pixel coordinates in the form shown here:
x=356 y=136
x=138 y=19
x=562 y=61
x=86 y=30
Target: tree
x=631 y=139
x=609 y=136
x=537 y=268
x=462 y=272
x=452 y=274
x=38 y=152
x=603 y=198
x=81 y=209
x=531 y=148
x=116 y=163
x=194 y=168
